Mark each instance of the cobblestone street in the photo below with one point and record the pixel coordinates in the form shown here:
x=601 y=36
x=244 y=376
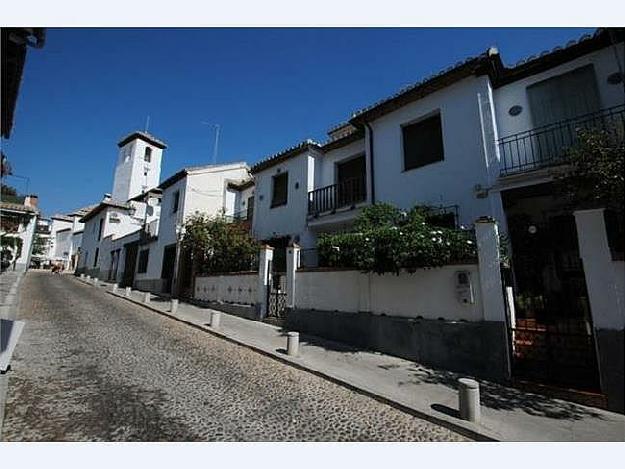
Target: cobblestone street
x=91 y=367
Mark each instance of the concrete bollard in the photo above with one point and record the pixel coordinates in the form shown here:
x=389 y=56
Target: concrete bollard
x=146 y=297
x=95 y=281
x=174 y=306
x=88 y=277
x=128 y=292
x=215 y=319
x=292 y=343
x=469 y=399
x=115 y=286
x=82 y=276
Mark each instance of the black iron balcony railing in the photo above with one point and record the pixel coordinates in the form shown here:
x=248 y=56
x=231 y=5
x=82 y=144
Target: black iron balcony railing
x=548 y=145
x=242 y=215
x=344 y=194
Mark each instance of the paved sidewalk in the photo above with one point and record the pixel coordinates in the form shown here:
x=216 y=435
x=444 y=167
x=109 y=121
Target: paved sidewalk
x=9 y=299
x=507 y=414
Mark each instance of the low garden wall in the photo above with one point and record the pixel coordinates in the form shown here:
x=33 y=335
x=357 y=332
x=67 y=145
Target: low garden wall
x=427 y=293
x=475 y=348
x=420 y=316
x=236 y=288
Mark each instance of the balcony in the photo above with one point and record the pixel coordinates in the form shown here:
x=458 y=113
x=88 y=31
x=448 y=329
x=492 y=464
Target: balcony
x=240 y=216
x=547 y=146
x=43 y=230
x=345 y=194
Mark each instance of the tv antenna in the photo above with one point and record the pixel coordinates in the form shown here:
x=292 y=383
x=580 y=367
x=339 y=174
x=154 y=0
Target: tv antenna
x=217 y=128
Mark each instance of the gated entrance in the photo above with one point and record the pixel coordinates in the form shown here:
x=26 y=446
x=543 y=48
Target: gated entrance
x=551 y=335
x=276 y=297
x=130 y=264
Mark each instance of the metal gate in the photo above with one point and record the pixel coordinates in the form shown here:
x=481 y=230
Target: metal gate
x=551 y=335
x=560 y=353
x=276 y=298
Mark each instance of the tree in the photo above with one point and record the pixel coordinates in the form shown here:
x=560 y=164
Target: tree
x=8 y=190
x=10 y=249
x=595 y=175
x=40 y=245
x=218 y=245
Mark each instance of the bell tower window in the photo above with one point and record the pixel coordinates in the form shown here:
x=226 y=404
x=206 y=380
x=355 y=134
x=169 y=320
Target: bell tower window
x=147 y=157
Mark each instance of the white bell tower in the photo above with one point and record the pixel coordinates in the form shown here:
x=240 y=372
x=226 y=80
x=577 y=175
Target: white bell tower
x=138 y=165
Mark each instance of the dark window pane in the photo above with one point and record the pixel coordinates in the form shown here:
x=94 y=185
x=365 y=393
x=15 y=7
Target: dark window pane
x=148 y=155
x=280 y=189
x=250 y=208
x=423 y=142
x=565 y=96
x=174 y=208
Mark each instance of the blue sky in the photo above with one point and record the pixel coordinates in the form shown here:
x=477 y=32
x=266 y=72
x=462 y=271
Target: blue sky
x=267 y=88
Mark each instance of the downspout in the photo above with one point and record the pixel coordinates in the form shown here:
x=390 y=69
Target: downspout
x=371 y=162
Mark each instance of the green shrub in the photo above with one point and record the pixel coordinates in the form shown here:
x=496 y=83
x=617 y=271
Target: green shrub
x=386 y=239
x=218 y=245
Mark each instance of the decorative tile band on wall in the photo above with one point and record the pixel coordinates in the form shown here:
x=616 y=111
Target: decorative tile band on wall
x=238 y=289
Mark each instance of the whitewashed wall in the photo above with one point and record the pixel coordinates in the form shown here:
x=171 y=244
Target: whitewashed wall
x=201 y=191
x=515 y=94
x=325 y=173
x=130 y=170
x=448 y=182
x=429 y=293
x=238 y=288
x=289 y=219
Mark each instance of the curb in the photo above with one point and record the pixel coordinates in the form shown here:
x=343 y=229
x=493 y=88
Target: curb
x=469 y=430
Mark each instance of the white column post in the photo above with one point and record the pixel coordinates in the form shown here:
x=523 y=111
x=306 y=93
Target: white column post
x=487 y=237
x=469 y=400
x=606 y=301
x=292 y=263
x=264 y=270
x=292 y=343
x=215 y=319
x=594 y=251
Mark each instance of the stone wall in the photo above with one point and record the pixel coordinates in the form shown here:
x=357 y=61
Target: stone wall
x=476 y=348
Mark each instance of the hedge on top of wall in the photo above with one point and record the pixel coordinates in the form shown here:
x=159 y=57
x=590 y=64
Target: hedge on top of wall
x=386 y=239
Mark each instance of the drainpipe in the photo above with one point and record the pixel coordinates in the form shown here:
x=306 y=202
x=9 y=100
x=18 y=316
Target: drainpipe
x=371 y=162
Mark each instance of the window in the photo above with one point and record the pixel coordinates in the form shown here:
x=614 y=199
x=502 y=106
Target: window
x=565 y=96
x=443 y=219
x=95 y=258
x=280 y=190
x=176 y=201
x=100 y=227
x=250 y=208
x=147 y=157
x=423 y=142
x=143 y=261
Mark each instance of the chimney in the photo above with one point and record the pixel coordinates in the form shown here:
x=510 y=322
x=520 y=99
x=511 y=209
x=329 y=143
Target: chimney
x=31 y=200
